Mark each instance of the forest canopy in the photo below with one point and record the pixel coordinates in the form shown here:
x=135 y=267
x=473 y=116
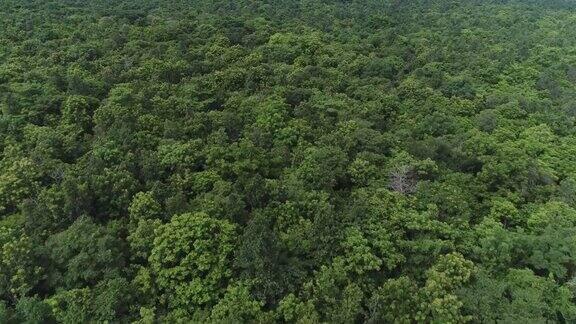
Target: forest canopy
x=287 y=161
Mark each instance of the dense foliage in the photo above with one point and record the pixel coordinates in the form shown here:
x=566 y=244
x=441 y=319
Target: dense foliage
x=285 y=161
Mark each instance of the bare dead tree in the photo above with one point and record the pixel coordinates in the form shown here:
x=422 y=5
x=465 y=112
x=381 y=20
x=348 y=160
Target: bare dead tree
x=57 y=174
x=403 y=180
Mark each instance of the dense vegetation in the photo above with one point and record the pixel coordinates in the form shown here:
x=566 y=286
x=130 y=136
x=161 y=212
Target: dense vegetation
x=287 y=161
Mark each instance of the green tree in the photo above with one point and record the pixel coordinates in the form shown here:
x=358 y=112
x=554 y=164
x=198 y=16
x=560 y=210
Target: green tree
x=19 y=268
x=190 y=259
x=84 y=254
